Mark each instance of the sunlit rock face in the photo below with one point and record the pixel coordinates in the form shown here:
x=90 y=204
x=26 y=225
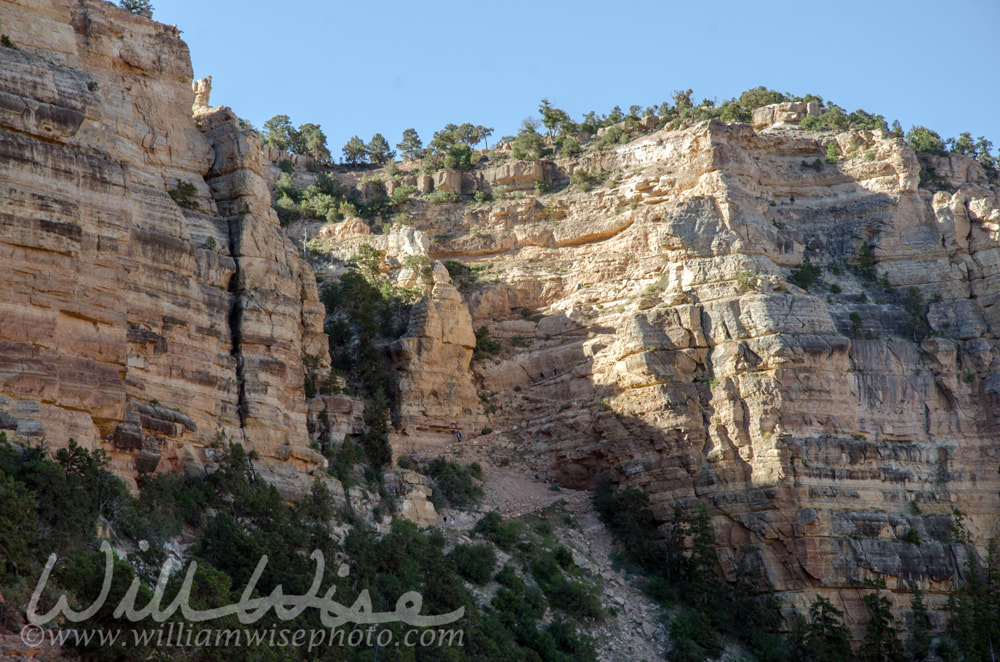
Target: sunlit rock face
x=819 y=426
x=151 y=305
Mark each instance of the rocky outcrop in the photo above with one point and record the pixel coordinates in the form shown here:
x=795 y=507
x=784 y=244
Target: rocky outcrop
x=431 y=362
x=787 y=112
x=828 y=428
x=151 y=305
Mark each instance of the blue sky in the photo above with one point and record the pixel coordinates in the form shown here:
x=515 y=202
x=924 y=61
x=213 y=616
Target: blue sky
x=361 y=68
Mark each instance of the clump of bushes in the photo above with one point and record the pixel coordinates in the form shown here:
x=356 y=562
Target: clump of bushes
x=440 y=197
x=807 y=275
x=492 y=527
x=184 y=195
x=485 y=344
x=584 y=180
x=454 y=484
x=474 y=562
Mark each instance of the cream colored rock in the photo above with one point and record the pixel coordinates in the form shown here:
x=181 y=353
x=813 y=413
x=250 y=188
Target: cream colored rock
x=202 y=91
x=687 y=363
x=130 y=323
x=786 y=112
x=448 y=180
x=425 y=183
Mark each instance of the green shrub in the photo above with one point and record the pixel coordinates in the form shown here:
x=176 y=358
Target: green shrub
x=517 y=340
x=925 y=141
x=454 y=483
x=343 y=461
x=136 y=6
x=855 y=324
x=184 y=195
x=492 y=527
x=528 y=146
x=458 y=157
x=542 y=186
x=912 y=536
x=439 y=197
x=832 y=153
x=807 y=275
x=485 y=345
x=816 y=165
x=864 y=263
x=457 y=270
x=572 y=597
x=569 y=147
x=401 y=194
x=475 y=562
x=583 y=180
x=916 y=313
x=612 y=137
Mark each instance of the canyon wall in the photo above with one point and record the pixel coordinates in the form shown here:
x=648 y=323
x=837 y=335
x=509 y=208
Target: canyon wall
x=842 y=432
x=150 y=304
x=847 y=428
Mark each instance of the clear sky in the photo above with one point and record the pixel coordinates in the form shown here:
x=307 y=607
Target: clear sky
x=383 y=66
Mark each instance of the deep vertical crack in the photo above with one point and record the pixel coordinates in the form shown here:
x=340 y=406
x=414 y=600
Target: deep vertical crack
x=236 y=320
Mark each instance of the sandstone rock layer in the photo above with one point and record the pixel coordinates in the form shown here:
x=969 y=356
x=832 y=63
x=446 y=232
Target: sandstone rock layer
x=149 y=302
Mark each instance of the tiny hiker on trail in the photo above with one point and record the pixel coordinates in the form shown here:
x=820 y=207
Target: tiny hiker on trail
x=458 y=435
x=541 y=376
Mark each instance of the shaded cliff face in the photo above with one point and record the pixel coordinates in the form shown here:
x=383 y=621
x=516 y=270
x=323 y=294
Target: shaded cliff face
x=819 y=426
x=143 y=323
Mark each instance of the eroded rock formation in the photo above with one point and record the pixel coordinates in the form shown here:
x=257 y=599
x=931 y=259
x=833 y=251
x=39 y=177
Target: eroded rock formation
x=828 y=428
x=151 y=305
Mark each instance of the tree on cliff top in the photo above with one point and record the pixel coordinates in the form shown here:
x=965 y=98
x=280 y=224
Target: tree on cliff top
x=411 y=146
x=308 y=139
x=355 y=151
x=136 y=6
x=279 y=132
x=378 y=150
x=312 y=142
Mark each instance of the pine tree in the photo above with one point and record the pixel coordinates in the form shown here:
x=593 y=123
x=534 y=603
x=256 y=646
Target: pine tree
x=355 y=151
x=378 y=150
x=311 y=141
x=136 y=6
x=827 y=638
x=919 y=642
x=410 y=146
x=279 y=132
x=552 y=117
x=881 y=642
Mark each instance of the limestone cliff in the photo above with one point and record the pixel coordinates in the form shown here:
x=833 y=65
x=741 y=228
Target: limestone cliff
x=151 y=305
x=828 y=428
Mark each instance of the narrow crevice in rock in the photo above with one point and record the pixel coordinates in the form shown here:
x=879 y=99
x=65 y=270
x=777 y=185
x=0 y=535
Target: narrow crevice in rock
x=235 y=322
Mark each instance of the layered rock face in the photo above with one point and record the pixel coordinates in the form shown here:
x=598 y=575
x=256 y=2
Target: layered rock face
x=827 y=428
x=150 y=303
